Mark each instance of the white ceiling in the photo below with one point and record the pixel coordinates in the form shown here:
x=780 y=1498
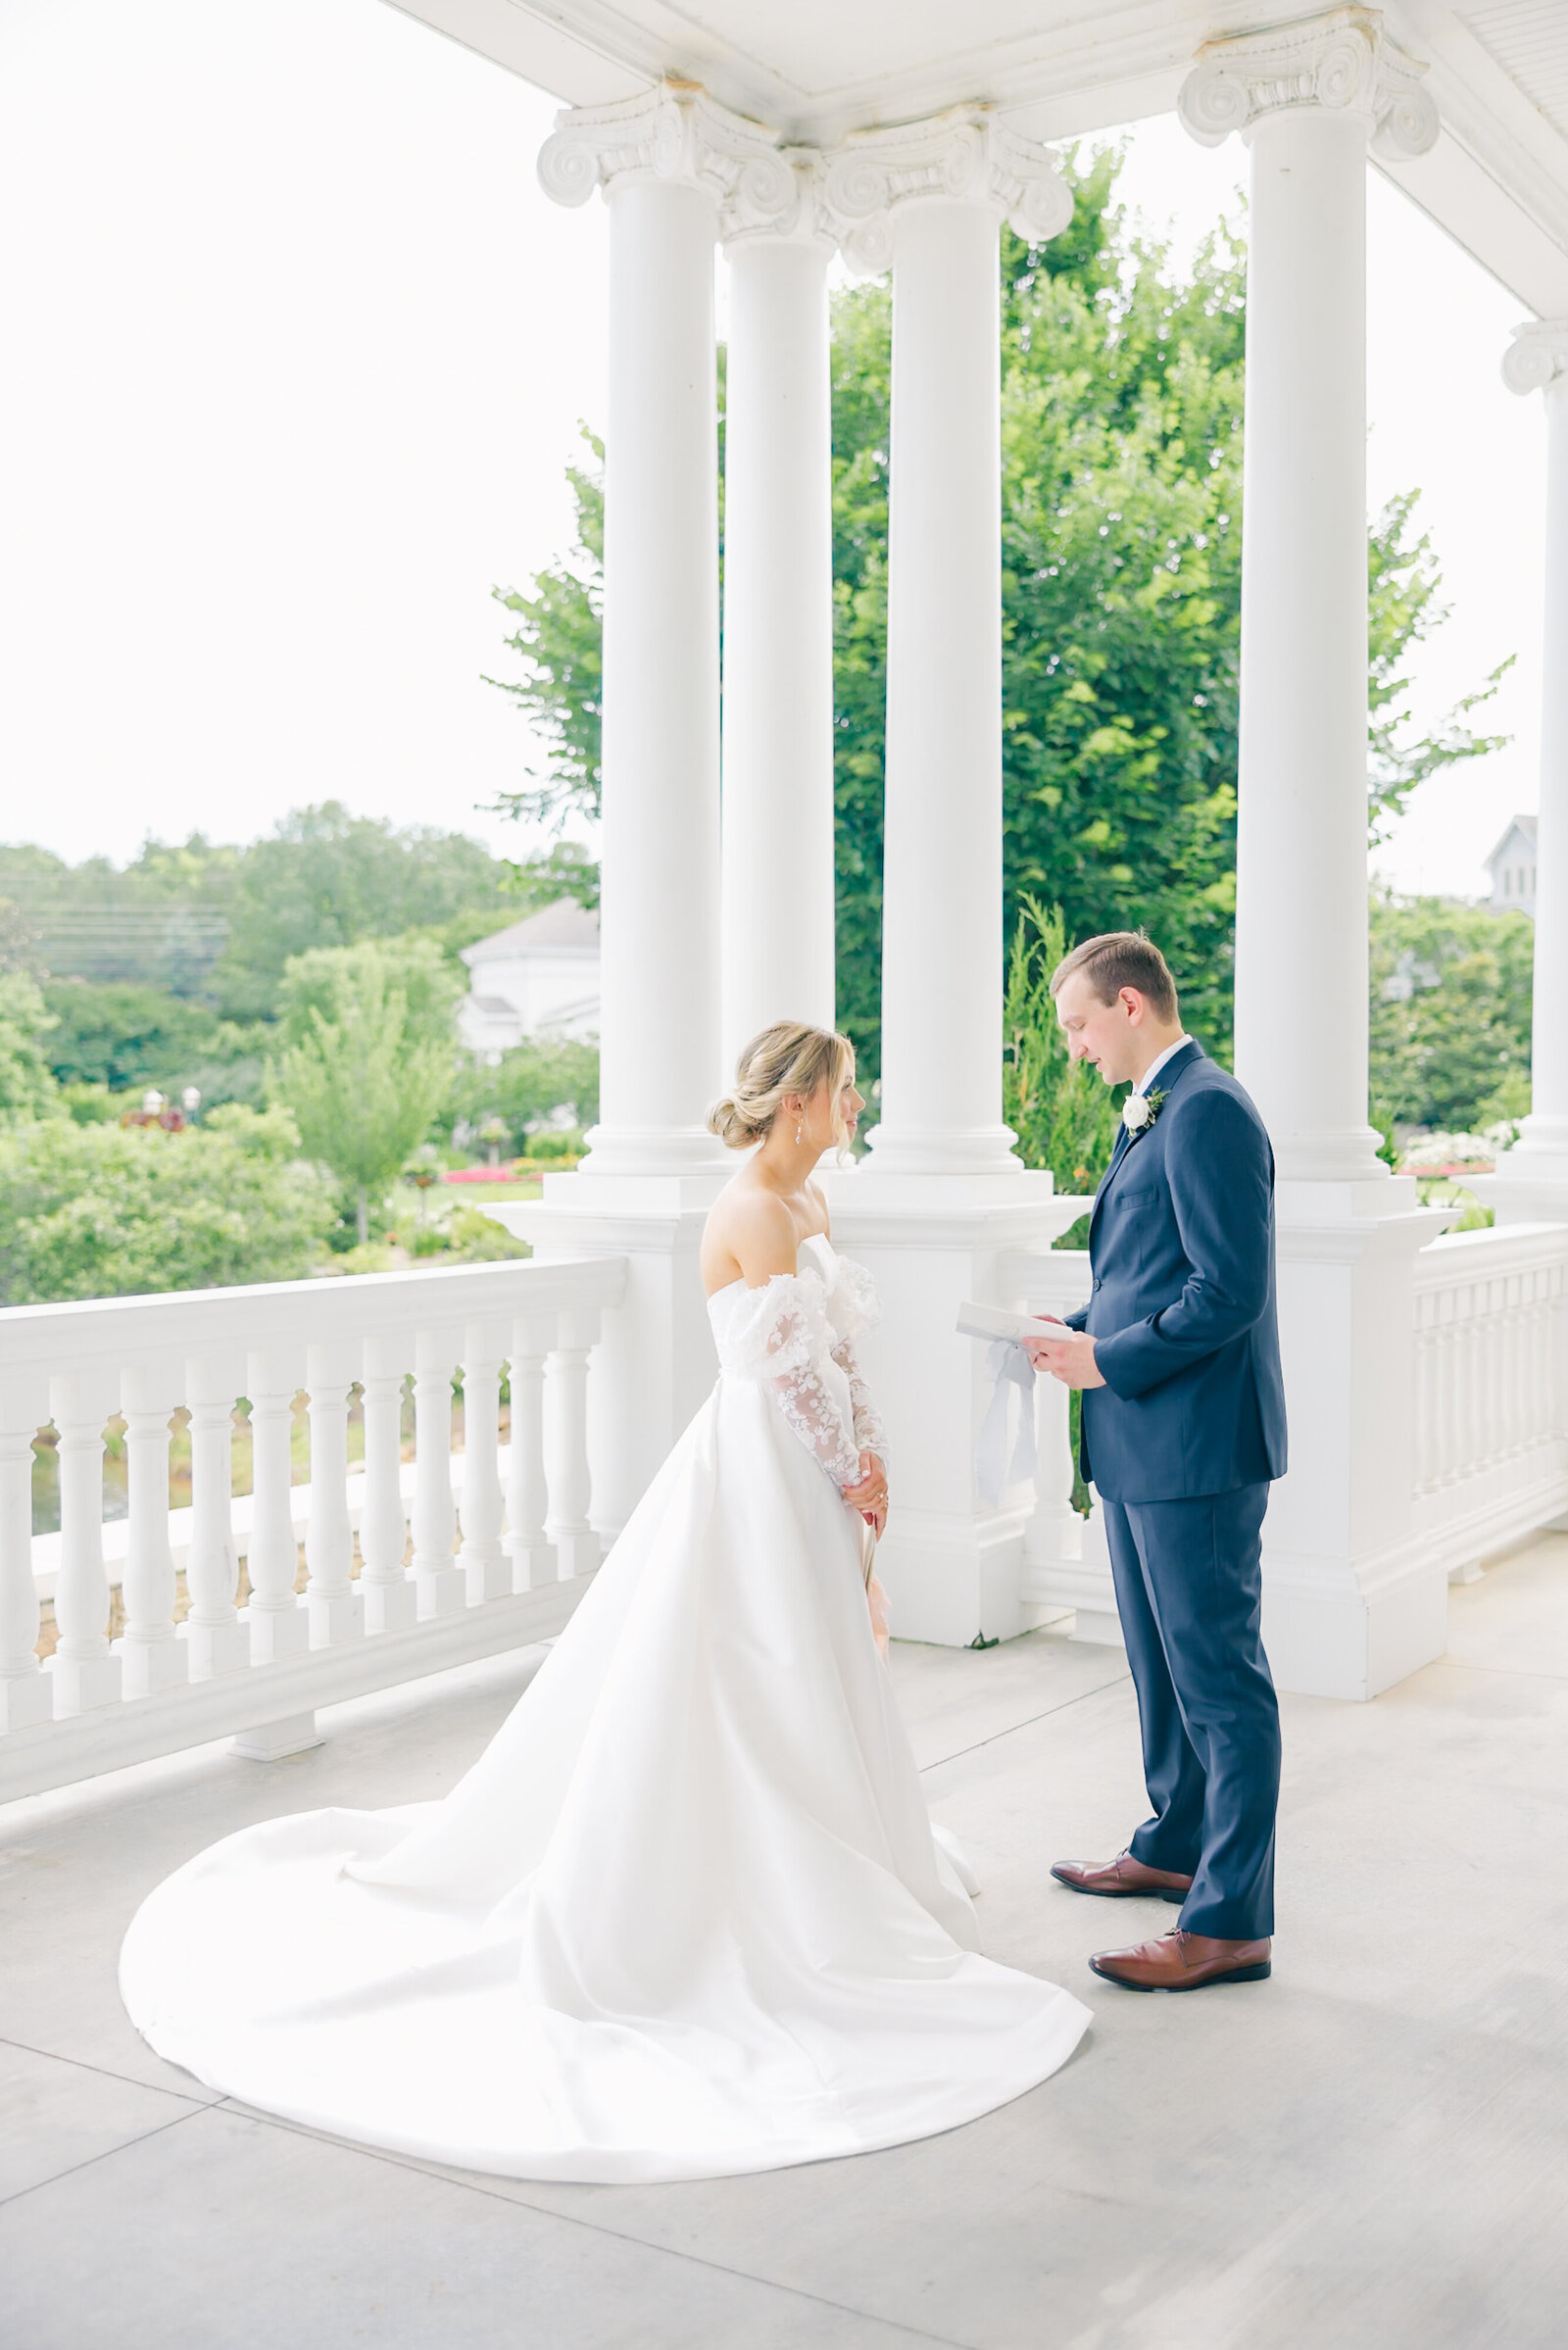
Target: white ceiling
x=1497 y=180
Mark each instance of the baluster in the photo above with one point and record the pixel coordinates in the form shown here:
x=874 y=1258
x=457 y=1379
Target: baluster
x=279 y=1625
x=217 y=1642
x=486 y=1568
x=441 y=1583
x=336 y=1607
x=1423 y=1407
x=577 y=1549
x=85 y=1674
x=152 y=1656
x=532 y=1554
x=26 y=1695
x=390 y=1594
x=1054 y=1529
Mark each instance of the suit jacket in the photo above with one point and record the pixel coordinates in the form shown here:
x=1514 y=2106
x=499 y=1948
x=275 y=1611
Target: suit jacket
x=1181 y=1249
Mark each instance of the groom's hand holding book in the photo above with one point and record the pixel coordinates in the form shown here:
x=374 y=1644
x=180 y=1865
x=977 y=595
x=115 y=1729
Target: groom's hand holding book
x=1069 y=1357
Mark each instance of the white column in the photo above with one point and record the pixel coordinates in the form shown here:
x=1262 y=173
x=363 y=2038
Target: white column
x=777 y=865
x=937 y=192
x=666 y=163
x=1532 y=1179
x=1306 y=101
x=1352 y=1599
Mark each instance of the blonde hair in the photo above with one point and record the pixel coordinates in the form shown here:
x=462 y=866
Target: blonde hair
x=790 y=1057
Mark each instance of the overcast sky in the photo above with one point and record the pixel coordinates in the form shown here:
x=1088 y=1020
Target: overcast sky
x=297 y=352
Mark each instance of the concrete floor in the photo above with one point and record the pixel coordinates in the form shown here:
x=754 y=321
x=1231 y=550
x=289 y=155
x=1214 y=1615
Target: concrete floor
x=1368 y=2152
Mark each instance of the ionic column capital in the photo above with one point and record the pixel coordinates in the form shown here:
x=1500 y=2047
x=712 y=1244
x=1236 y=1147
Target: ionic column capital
x=966 y=156
x=1538 y=355
x=1341 y=62
x=676 y=133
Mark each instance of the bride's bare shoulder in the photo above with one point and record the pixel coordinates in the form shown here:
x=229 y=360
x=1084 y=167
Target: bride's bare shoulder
x=749 y=1235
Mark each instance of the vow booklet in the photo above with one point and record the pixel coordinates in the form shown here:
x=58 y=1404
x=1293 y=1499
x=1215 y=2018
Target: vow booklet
x=996 y=1322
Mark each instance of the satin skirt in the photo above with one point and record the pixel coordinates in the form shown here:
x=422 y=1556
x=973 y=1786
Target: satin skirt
x=686 y=1916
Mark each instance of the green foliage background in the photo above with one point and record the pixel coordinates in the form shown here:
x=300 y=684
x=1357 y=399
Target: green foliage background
x=1121 y=593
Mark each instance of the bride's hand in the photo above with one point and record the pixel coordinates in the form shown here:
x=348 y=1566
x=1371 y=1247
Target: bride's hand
x=869 y=1498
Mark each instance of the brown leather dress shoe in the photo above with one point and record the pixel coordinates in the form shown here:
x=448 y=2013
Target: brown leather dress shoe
x=1184 y=1962
x=1120 y=1879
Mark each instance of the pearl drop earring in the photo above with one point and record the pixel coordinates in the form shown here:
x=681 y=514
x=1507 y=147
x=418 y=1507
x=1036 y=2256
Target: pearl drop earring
x=800 y=1126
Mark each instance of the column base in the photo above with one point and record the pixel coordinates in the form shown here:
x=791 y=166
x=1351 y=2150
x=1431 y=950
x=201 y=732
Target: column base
x=1529 y=1187
x=953 y=1569
x=1354 y=1596
x=148 y=1666
x=277 y=1633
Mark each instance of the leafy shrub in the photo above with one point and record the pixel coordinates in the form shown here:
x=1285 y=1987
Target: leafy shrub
x=107 y=1211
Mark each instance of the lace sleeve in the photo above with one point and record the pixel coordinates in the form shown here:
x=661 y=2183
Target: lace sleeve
x=871 y=1432
x=777 y=1335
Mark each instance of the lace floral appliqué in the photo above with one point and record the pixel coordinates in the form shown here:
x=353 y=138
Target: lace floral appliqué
x=779 y=1334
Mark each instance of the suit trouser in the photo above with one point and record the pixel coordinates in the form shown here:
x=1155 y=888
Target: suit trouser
x=1189 y=1587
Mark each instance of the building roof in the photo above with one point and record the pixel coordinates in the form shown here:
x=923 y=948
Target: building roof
x=563 y=928
x=1526 y=825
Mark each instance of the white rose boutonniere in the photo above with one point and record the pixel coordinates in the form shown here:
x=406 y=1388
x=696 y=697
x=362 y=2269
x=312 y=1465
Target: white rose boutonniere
x=1140 y=1110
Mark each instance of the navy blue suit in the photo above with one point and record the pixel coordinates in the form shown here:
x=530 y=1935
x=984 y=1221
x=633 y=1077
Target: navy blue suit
x=1182 y=1442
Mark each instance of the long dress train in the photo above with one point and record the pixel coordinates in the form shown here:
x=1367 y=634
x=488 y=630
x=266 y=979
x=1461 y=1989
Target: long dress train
x=686 y=1915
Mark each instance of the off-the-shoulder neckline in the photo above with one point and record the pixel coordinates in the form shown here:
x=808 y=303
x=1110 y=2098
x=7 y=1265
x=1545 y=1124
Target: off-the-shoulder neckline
x=759 y=1285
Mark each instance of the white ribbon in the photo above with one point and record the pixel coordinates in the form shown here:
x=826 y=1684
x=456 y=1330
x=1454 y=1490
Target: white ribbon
x=1007 y=1365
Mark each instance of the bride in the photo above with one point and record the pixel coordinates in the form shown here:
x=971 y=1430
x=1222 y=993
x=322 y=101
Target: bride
x=687 y=1914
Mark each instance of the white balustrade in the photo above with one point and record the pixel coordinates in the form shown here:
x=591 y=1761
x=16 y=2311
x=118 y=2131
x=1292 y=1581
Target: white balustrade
x=26 y=1695
x=257 y=1674
x=1066 y=1564
x=1491 y=1372
x=487 y=1571
x=441 y=1583
x=335 y=1608
x=576 y=1545
x=528 y=1548
x=152 y=1656
x=389 y=1592
x=217 y=1642
x=85 y=1674
x=279 y=1626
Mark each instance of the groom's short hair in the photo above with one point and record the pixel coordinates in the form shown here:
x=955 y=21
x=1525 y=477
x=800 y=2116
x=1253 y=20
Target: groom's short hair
x=1120 y=959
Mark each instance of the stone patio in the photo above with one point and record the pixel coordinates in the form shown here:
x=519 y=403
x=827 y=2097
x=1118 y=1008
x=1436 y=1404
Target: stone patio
x=1368 y=2152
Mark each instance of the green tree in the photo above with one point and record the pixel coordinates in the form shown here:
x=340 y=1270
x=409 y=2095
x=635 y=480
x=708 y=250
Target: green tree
x=1450 y=1012
x=124 y=1035
x=1063 y=1115
x=368 y=1058
x=107 y=1211
x=328 y=879
x=1122 y=385
x=26 y=1083
x=529 y=1084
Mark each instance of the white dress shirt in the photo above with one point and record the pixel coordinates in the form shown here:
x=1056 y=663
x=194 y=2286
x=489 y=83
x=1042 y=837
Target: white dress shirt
x=1143 y=1084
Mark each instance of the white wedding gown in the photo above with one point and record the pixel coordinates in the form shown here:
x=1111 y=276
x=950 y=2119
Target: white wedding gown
x=685 y=1916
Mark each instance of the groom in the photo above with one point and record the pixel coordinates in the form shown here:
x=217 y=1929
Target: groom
x=1183 y=1428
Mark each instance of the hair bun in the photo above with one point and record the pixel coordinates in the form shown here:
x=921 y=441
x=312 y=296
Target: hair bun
x=729 y=1121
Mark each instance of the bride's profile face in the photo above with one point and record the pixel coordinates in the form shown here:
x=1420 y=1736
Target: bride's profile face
x=820 y=1123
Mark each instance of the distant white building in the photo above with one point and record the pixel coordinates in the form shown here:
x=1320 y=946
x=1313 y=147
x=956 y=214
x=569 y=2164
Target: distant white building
x=537 y=977
x=1513 y=867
